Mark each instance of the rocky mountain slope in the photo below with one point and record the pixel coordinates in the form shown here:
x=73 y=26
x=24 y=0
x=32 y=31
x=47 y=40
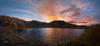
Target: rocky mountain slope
x=22 y=24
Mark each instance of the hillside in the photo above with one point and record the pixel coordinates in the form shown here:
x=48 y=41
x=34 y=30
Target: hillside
x=22 y=24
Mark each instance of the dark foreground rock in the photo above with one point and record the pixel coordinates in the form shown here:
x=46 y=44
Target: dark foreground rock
x=91 y=37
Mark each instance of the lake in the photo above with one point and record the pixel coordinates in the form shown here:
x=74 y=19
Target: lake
x=50 y=35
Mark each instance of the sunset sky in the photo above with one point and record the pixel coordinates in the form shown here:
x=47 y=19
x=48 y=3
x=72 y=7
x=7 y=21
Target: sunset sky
x=49 y=10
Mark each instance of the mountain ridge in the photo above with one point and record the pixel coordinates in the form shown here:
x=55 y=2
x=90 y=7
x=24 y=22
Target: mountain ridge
x=22 y=24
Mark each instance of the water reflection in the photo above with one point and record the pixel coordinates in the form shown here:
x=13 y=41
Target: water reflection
x=50 y=35
x=54 y=35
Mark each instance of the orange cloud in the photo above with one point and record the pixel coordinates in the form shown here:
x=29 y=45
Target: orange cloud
x=52 y=10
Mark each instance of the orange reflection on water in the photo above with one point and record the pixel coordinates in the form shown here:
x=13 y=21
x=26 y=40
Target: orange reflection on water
x=55 y=35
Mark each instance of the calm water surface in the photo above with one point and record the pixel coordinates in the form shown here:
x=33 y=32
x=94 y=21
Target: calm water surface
x=51 y=35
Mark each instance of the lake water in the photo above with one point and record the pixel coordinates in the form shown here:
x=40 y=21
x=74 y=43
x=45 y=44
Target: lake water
x=50 y=35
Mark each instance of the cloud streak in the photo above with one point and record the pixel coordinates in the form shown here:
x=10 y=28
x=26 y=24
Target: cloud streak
x=52 y=10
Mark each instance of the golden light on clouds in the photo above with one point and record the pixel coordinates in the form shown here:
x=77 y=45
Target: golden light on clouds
x=51 y=10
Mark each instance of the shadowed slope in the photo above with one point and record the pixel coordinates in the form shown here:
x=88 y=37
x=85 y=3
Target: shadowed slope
x=22 y=24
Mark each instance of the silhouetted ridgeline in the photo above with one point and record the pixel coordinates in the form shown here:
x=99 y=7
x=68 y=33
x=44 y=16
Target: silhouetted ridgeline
x=22 y=24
